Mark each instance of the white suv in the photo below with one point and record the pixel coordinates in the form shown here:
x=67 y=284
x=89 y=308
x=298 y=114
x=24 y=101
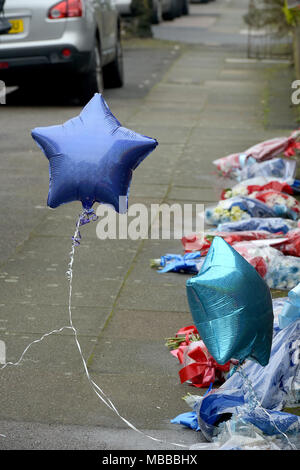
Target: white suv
x=77 y=40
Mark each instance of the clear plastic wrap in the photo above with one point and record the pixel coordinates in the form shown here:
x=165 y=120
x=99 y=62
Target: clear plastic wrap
x=196 y=242
x=260 y=183
x=291 y=245
x=290 y=308
x=236 y=434
x=284 y=205
x=278 y=270
x=237 y=208
x=259 y=393
x=253 y=397
x=277 y=167
x=272 y=225
x=262 y=151
x=268 y=203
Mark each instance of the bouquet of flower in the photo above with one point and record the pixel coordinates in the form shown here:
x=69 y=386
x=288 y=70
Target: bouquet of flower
x=246 y=188
x=237 y=208
x=260 y=152
x=189 y=263
x=278 y=270
x=195 y=242
x=271 y=225
x=222 y=214
x=275 y=168
x=199 y=367
x=291 y=245
x=183 y=337
x=284 y=205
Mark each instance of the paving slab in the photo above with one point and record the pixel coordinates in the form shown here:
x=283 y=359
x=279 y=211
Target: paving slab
x=144 y=325
x=197 y=195
x=38 y=319
x=32 y=436
x=171 y=297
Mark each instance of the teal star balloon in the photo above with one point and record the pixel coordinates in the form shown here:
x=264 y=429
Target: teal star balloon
x=231 y=306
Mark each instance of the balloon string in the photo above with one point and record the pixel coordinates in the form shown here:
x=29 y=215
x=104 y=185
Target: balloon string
x=29 y=346
x=254 y=401
x=85 y=217
x=99 y=392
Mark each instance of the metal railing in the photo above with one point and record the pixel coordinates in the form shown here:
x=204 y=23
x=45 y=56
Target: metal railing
x=266 y=42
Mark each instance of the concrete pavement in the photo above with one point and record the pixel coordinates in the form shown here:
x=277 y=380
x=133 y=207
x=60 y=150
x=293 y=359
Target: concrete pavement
x=207 y=101
x=217 y=23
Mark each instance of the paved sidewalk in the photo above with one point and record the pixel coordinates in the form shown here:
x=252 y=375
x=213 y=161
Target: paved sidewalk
x=209 y=102
x=217 y=23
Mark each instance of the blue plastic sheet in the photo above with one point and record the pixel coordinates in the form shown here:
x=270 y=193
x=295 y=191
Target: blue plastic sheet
x=272 y=384
x=275 y=386
x=187 y=419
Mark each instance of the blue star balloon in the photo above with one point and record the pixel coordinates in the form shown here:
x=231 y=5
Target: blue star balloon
x=231 y=306
x=92 y=157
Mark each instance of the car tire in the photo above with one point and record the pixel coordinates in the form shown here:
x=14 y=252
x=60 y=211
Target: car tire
x=178 y=8
x=171 y=13
x=113 y=73
x=157 y=12
x=91 y=82
x=186 y=7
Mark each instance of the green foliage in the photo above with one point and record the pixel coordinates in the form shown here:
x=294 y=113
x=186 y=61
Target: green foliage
x=273 y=14
x=142 y=13
x=292 y=15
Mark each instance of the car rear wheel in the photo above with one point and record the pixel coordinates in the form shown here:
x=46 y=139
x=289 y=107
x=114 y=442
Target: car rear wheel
x=113 y=73
x=185 y=7
x=178 y=8
x=171 y=13
x=91 y=82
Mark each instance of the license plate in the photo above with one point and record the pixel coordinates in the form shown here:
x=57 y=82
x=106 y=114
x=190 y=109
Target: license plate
x=17 y=27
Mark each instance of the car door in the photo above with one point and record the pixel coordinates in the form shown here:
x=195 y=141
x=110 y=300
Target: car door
x=112 y=22
x=106 y=16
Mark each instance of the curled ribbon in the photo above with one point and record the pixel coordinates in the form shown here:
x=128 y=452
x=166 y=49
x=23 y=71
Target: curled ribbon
x=179 y=263
x=204 y=371
x=187 y=330
x=290 y=150
x=87 y=215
